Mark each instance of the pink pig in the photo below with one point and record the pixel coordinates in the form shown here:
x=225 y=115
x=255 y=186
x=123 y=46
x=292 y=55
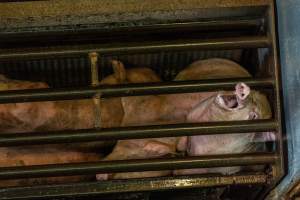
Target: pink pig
x=241 y=104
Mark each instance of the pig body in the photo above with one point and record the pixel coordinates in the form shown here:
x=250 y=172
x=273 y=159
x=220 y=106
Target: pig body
x=59 y=115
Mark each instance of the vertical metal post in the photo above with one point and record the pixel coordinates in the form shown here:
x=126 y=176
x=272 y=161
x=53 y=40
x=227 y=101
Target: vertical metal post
x=278 y=169
x=93 y=56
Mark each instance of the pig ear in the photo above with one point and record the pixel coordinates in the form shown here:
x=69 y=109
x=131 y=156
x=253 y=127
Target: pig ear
x=119 y=71
x=242 y=91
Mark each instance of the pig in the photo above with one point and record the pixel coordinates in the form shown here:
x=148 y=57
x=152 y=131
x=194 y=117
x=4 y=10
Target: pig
x=24 y=117
x=240 y=104
x=72 y=114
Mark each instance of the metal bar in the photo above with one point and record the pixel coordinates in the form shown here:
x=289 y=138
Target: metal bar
x=122 y=133
x=243 y=23
x=15 y=96
x=71 y=169
x=279 y=168
x=134 y=47
x=122 y=186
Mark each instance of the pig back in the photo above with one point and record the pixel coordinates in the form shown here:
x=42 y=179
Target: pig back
x=214 y=68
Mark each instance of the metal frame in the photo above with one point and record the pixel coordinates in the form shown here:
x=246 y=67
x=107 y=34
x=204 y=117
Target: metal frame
x=40 y=192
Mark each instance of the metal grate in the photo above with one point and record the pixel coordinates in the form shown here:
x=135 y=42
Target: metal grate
x=168 y=57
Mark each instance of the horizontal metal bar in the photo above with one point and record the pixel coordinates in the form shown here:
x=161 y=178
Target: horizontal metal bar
x=155 y=131
x=122 y=186
x=244 y=23
x=70 y=169
x=139 y=47
x=15 y=96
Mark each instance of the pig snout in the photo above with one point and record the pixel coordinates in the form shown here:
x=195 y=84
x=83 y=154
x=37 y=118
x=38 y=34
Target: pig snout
x=235 y=99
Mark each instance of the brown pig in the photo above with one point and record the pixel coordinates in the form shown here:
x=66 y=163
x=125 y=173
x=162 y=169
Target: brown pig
x=70 y=114
x=57 y=115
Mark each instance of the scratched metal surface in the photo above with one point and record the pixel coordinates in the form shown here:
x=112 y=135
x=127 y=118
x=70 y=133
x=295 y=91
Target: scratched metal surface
x=289 y=39
x=62 y=12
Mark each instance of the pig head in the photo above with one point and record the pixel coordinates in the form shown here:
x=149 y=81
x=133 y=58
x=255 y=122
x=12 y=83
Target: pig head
x=239 y=104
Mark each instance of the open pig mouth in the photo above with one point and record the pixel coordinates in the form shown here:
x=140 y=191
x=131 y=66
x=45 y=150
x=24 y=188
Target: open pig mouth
x=234 y=100
x=229 y=102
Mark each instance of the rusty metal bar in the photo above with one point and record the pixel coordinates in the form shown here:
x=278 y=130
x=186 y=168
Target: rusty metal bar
x=71 y=169
x=122 y=133
x=15 y=96
x=140 y=47
x=122 y=186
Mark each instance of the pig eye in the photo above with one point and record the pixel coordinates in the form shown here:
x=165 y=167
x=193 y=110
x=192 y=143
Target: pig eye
x=253 y=115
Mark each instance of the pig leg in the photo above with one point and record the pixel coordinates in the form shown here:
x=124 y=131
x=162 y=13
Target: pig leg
x=157 y=148
x=136 y=149
x=182 y=144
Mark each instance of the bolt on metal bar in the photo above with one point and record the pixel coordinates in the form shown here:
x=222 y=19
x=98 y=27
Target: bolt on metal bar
x=141 y=47
x=71 y=169
x=30 y=95
x=122 y=133
x=122 y=186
